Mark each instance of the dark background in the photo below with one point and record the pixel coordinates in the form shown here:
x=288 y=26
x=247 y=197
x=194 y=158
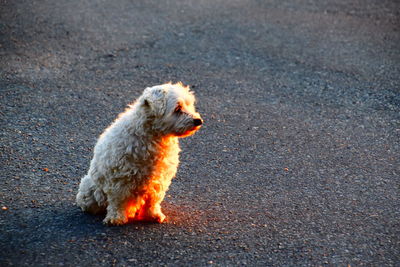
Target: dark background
x=297 y=163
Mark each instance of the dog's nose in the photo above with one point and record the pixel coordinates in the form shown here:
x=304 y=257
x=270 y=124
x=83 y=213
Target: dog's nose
x=197 y=122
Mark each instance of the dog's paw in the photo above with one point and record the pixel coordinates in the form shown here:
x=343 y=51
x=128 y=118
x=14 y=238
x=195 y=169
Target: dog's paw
x=115 y=220
x=159 y=217
x=152 y=217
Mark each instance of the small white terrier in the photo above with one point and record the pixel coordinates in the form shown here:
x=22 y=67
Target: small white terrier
x=136 y=157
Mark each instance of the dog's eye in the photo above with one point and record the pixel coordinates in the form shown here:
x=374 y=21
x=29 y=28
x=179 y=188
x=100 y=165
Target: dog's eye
x=178 y=109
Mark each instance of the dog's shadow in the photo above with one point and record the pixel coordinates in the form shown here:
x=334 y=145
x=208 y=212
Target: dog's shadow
x=70 y=224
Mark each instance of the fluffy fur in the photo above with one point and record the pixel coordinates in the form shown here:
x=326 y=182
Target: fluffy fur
x=137 y=156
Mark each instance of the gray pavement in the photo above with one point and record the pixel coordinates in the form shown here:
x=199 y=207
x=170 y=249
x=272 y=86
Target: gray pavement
x=297 y=163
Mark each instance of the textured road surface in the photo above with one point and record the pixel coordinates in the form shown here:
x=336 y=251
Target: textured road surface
x=297 y=163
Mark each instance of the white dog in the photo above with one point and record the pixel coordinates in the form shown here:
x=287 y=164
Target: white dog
x=136 y=157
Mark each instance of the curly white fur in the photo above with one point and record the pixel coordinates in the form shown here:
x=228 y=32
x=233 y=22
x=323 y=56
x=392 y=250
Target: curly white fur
x=137 y=156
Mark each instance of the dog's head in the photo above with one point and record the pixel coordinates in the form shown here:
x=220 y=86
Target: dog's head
x=170 y=109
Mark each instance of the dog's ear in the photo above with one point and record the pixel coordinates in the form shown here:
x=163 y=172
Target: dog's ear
x=154 y=100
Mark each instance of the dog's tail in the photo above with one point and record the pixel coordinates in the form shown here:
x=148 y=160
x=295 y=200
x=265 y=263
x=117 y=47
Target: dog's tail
x=90 y=198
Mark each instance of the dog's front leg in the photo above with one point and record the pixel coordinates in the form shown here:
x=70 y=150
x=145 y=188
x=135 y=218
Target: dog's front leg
x=116 y=211
x=152 y=208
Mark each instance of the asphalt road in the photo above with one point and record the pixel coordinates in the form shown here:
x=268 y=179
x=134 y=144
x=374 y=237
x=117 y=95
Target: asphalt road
x=297 y=163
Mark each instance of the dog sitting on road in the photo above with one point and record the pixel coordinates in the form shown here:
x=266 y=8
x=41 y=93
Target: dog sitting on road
x=137 y=156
